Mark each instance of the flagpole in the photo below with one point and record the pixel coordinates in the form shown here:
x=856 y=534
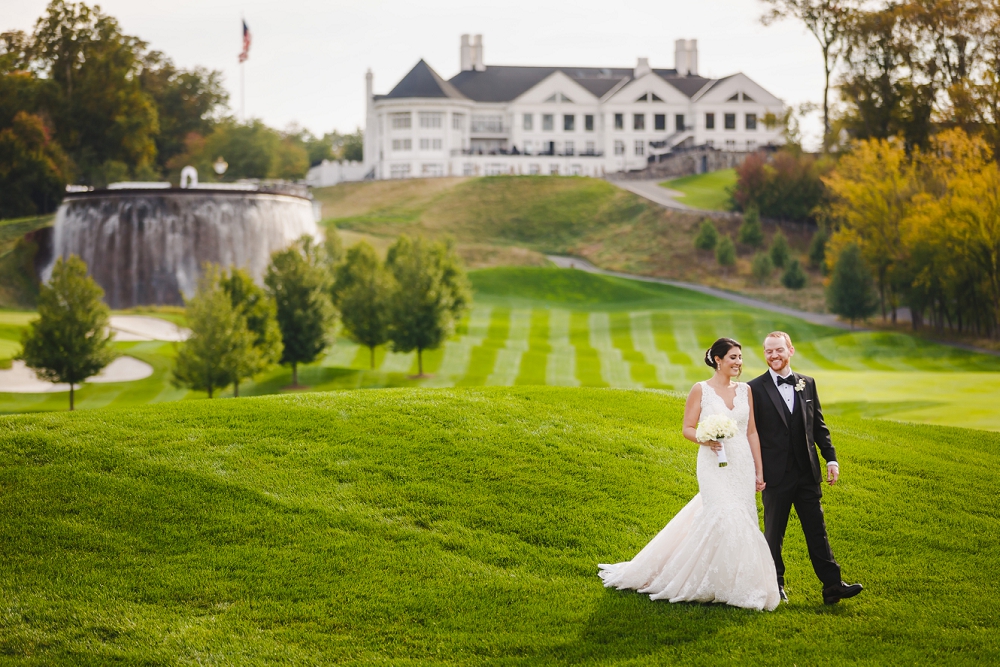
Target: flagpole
x=243 y=93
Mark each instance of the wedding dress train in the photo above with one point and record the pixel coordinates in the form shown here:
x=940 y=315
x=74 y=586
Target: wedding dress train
x=713 y=549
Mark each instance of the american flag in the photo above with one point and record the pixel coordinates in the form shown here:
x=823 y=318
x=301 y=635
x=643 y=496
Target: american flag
x=246 y=43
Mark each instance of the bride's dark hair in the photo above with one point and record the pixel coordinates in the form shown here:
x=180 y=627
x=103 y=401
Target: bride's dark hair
x=720 y=349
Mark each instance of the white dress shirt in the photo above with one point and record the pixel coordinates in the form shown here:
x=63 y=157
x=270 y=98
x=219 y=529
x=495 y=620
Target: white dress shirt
x=787 y=391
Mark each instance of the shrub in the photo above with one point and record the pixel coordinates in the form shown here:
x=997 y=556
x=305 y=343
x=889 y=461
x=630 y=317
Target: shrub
x=761 y=268
x=707 y=237
x=725 y=252
x=794 y=277
x=787 y=187
x=751 y=233
x=817 y=250
x=780 y=252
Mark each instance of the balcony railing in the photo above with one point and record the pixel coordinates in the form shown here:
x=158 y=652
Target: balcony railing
x=487 y=127
x=514 y=152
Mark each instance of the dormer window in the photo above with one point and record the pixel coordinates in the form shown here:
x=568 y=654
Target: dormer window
x=747 y=98
x=655 y=97
x=558 y=97
x=644 y=98
x=734 y=98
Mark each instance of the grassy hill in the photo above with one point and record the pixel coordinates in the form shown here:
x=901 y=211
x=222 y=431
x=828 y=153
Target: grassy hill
x=712 y=191
x=458 y=526
x=513 y=220
x=532 y=326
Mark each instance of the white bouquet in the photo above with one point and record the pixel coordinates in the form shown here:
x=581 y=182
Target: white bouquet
x=716 y=427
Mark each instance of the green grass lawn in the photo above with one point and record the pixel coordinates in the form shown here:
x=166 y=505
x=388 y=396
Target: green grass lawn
x=570 y=328
x=458 y=526
x=711 y=191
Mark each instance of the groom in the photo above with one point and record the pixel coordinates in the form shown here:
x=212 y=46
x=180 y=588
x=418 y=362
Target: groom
x=790 y=426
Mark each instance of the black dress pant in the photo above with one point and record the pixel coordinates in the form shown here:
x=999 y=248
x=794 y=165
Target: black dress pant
x=800 y=489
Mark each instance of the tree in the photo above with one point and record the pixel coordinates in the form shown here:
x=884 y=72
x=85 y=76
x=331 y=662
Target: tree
x=817 y=249
x=300 y=286
x=787 y=185
x=780 y=252
x=872 y=194
x=725 y=252
x=102 y=116
x=221 y=348
x=32 y=168
x=707 y=236
x=252 y=150
x=364 y=290
x=761 y=267
x=260 y=313
x=751 y=233
x=432 y=292
x=794 y=277
x=827 y=21
x=70 y=341
x=851 y=292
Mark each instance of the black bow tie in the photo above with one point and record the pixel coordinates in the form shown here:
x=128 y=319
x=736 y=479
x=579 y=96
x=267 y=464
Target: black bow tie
x=786 y=380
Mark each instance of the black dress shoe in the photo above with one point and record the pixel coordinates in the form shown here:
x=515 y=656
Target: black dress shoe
x=841 y=591
x=782 y=593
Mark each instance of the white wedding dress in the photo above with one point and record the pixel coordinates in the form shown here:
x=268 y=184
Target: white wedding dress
x=712 y=550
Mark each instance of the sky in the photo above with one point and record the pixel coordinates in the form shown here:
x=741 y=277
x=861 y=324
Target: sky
x=308 y=58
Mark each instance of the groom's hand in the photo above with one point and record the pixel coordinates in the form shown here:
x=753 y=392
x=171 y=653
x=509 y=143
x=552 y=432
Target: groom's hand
x=832 y=474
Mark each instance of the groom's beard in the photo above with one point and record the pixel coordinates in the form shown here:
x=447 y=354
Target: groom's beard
x=782 y=365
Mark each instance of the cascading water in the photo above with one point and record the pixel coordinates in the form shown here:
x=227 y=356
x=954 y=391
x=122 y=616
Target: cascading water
x=146 y=247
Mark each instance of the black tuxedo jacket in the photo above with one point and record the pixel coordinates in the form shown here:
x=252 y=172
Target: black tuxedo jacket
x=771 y=417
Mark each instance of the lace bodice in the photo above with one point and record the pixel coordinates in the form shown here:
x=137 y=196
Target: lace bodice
x=712 y=403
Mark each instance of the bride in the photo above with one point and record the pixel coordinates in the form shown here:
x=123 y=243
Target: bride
x=712 y=550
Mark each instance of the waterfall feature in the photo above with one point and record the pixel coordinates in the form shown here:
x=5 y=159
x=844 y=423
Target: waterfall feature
x=147 y=247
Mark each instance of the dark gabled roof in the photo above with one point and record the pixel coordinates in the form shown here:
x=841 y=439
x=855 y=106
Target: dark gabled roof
x=423 y=81
x=501 y=83
x=688 y=84
x=505 y=83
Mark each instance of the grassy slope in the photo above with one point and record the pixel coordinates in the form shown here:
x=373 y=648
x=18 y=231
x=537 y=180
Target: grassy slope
x=457 y=526
x=617 y=333
x=511 y=220
x=710 y=191
x=18 y=288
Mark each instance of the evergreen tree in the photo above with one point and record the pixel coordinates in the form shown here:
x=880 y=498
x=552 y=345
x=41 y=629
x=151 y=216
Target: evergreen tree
x=221 y=348
x=69 y=342
x=432 y=292
x=794 y=277
x=364 y=291
x=300 y=285
x=751 y=233
x=851 y=293
x=762 y=267
x=707 y=236
x=725 y=252
x=261 y=316
x=817 y=249
x=780 y=252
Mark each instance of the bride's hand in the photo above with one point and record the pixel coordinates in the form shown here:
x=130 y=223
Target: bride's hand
x=760 y=482
x=714 y=444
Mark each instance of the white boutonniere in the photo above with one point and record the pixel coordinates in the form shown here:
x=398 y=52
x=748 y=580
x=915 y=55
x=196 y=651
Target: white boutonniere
x=800 y=385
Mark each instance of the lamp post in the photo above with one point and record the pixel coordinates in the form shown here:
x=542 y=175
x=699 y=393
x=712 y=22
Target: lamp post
x=220 y=166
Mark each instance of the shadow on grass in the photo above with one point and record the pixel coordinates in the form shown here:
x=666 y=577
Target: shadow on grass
x=627 y=625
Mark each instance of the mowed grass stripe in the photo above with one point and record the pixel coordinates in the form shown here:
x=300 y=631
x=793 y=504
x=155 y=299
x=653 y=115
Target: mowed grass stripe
x=560 y=366
x=641 y=329
x=483 y=357
x=614 y=369
x=534 y=361
x=643 y=374
x=458 y=353
x=508 y=359
x=588 y=363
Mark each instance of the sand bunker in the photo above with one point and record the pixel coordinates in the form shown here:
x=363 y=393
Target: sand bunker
x=19 y=379
x=138 y=327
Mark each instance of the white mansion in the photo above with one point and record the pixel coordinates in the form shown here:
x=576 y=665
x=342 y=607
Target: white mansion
x=558 y=120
